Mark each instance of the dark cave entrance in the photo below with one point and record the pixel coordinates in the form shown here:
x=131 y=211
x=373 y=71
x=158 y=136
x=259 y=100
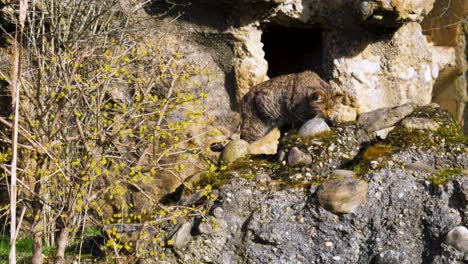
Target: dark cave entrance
x=292 y=49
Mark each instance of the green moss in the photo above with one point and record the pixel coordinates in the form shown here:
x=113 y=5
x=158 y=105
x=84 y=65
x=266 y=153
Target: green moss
x=378 y=151
x=444 y=176
x=453 y=134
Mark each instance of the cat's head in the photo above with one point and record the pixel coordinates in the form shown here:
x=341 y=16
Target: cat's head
x=325 y=100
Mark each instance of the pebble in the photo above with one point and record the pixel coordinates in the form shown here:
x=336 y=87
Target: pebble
x=234 y=150
x=313 y=127
x=297 y=157
x=343 y=196
x=458 y=238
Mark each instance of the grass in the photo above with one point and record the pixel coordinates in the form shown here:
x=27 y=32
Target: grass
x=23 y=249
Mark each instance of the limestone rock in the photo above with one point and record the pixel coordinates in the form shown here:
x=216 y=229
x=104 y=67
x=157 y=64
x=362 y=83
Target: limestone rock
x=249 y=63
x=343 y=196
x=266 y=145
x=182 y=236
x=371 y=73
x=420 y=166
x=384 y=117
x=458 y=238
x=297 y=157
x=313 y=127
x=234 y=150
x=420 y=123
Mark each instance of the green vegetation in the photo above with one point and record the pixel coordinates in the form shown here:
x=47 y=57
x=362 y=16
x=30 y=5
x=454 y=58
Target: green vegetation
x=23 y=248
x=444 y=176
x=111 y=120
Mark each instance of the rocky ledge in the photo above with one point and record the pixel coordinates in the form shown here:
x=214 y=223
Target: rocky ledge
x=358 y=199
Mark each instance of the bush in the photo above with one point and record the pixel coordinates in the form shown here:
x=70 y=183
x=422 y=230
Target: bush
x=104 y=124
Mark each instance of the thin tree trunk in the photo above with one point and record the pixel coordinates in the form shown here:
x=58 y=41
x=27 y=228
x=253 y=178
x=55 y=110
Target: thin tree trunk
x=15 y=79
x=61 y=245
x=37 y=243
x=38 y=224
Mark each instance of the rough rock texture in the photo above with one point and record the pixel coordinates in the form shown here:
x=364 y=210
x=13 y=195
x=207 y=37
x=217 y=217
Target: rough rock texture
x=405 y=219
x=369 y=73
x=443 y=28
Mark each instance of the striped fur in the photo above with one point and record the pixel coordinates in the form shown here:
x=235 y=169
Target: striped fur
x=285 y=100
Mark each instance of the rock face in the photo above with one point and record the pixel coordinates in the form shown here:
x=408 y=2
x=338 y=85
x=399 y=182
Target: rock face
x=405 y=219
x=373 y=50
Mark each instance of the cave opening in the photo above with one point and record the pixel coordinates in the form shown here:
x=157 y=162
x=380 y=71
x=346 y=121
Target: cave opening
x=292 y=49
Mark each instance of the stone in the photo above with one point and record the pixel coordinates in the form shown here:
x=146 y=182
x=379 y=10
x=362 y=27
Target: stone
x=209 y=227
x=382 y=133
x=313 y=127
x=385 y=117
x=420 y=166
x=297 y=157
x=192 y=199
x=262 y=177
x=458 y=238
x=267 y=145
x=296 y=177
x=343 y=196
x=182 y=236
x=391 y=257
x=234 y=150
x=420 y=123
